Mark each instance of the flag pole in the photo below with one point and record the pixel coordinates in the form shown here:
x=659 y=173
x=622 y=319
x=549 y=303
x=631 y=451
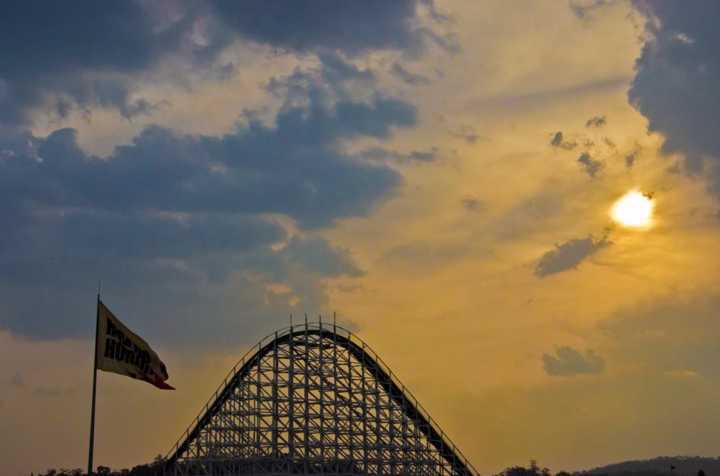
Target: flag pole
x=94 y=387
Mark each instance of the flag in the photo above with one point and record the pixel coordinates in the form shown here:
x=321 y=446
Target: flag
x=123 y=352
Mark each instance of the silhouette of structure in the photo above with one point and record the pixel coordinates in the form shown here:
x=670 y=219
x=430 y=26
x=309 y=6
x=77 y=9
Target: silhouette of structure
x=314 y=399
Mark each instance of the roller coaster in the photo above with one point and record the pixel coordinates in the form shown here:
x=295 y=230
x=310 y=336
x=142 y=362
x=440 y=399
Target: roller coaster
x=313 y=399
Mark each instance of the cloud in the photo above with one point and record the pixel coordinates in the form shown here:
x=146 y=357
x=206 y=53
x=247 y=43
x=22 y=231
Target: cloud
x=675 y=84
x=315 y=255
x=325 y=24
x=85 y=54
x=183 y=225
x=590 y=165
x=472 y=204
x=559 y=141
x=298 y=159
x=568 y=255
x=583 y=8
x=631 y=158
x=379 y=153
x=568 y=362
x=78 y=53
x=335 y=69
x=596 y=121
x=408 y=77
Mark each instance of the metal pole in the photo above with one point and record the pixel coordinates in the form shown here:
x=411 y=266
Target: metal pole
x=94 y=388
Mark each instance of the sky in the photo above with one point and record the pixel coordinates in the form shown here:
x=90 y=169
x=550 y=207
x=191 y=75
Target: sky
x=439 y=173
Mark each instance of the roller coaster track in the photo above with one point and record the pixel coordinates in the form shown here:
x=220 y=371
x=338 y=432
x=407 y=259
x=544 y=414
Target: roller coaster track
x=314 y=399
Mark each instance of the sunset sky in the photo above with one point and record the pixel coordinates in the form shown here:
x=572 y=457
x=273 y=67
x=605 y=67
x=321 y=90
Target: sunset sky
x=440 y=173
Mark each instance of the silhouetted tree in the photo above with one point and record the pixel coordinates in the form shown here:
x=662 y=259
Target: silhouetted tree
x=533 y=470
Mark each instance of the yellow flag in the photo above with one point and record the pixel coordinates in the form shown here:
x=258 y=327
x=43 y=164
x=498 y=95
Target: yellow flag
x=123 y=352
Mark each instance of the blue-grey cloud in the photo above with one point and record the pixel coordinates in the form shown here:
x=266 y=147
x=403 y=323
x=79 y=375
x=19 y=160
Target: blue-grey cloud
x=631 y=158
x=568 y=255
x=583 y=8
x=589 y=165
x=82 y=54
x=558 y=140
x=294 y=167
x=180 y=226
x=568 y=362
x=676 y=83
x=472 y=204
x=596 y=121
x=413 y=79
x=75 y=54
x=189 y=233
x=379 y=153
x=354 y=27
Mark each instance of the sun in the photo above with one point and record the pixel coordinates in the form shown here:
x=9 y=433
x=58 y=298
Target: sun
x=633 y=210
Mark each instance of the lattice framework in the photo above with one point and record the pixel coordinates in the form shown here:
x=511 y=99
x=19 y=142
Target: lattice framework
x=314 y=399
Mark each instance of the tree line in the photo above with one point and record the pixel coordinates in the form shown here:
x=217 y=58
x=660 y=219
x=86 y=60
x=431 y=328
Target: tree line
x=533 y=469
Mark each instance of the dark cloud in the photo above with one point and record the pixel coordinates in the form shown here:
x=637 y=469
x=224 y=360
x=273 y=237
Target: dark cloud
x=583 y=8
x=569 y=255
x=326 y=24
x=590 y=165
x=559 y=141
x=84 y=34
x=408 y=77
x=596 y=121
x=218 y=300
x=190 y=233
x=179 y=226
x=472 y=204
x=568 y=362
x=677 y=77
x=336 y=69
x=298 y=160
x=631 y=158
x=77 y=53
x=59 y=57
x=379 y=153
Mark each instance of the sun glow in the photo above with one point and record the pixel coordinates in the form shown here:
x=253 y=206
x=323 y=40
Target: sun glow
x=633 y=210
